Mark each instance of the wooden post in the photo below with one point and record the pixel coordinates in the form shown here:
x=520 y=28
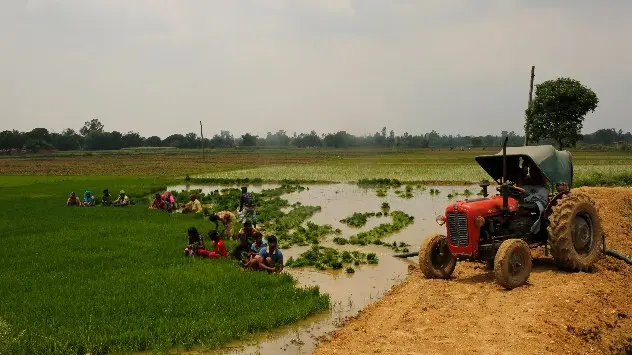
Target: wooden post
x=202 y=134
x=526 y=131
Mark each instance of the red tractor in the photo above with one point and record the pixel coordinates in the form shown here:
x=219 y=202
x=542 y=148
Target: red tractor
x=533 y=207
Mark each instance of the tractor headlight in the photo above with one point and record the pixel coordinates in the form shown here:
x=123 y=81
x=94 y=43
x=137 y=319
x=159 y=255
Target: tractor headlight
x=480 y=221
x=440 y=220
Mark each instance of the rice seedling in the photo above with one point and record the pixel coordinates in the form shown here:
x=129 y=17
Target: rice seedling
x=121 y=284
x=323 y=258
x=358 y=219
x=374 y=235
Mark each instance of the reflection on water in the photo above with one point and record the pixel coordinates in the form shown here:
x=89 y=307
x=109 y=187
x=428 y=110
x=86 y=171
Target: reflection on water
x=349 y=292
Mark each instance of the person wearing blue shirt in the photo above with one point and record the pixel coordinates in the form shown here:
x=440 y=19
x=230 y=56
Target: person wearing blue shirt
x=270 y=258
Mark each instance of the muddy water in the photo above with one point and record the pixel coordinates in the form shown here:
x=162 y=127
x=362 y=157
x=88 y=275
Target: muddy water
x=349 y=292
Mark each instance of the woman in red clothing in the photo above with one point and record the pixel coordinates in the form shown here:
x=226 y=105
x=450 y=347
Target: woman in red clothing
x=195 y=246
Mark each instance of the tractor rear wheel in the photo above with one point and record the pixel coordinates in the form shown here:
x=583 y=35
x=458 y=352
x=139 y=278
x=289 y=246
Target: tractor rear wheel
x=512 y=264
x=575 y=233
x=435 y=259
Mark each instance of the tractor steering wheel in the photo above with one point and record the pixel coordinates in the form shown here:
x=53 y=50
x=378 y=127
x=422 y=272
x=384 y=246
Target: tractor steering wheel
x=516 y=191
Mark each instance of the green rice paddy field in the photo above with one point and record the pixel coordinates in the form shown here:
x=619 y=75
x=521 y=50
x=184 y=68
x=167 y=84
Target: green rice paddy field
x=101 y=280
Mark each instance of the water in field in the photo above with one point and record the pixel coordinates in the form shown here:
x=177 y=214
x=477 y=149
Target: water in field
x=349 y=292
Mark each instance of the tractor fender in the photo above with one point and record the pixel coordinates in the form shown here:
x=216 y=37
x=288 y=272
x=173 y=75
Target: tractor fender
x=553 y=202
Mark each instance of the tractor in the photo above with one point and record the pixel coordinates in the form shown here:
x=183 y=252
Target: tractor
x=533 y=207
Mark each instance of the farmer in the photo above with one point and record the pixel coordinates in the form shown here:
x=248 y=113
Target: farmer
x=194 y=205
x=122 y=200
x=533 y=186
x=219 y=248
x=245 y=238
x=195 y=242
x=247 y=206
x=73 y=200
x=88 y=199
x=256 y=246
x=157 y=203
x=106 y=198
x=228 y=221
x=170 y=201
x=270 y=258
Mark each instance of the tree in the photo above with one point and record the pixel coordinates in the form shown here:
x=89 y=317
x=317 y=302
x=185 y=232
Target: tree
x=132 y=140
x=476 y=141
x=558 y=111
x=92 y=126
x=248 y=140
x=67 y=140
x=153 y=141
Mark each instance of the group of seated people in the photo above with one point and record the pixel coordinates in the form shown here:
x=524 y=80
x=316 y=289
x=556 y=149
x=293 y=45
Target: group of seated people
x=167 y=202
x=106 y=199
x=251 y=249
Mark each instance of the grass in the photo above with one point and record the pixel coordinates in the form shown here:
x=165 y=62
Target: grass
x=101 y=280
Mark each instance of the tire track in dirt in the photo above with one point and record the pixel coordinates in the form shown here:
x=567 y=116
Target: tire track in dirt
x=556 y=313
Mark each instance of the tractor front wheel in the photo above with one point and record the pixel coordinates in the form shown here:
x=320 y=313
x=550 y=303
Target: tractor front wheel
x=512 y=264
x=435 y=259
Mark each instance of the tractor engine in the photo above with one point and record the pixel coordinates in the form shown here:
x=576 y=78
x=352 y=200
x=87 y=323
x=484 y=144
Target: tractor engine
x=472 y=223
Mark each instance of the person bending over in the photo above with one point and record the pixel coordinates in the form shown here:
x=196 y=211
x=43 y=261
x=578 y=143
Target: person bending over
x=228 y=222
x=193 y=206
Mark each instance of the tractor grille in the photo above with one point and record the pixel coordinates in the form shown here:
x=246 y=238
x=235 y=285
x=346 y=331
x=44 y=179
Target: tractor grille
x=457 y=227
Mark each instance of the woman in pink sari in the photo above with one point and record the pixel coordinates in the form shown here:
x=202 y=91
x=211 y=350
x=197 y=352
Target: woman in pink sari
x=169 y=200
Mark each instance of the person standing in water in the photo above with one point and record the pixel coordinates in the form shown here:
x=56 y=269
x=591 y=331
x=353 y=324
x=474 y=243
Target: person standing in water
x=247 y=207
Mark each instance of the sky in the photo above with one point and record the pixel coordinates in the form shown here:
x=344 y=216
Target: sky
x=159 y=67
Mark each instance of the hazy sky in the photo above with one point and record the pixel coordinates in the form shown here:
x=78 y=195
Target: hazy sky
x=160 y=66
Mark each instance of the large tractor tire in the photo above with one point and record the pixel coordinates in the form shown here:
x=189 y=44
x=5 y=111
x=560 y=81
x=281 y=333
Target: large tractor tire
x=435 y=259
x=512 y=264
x=575 y=233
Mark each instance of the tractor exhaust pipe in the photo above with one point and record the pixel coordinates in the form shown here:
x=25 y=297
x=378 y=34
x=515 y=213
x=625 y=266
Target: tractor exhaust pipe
x=505 y=187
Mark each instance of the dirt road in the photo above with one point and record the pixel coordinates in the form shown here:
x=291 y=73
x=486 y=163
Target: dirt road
x=556 y=313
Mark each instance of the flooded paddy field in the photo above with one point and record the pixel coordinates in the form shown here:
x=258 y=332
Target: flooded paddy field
x=349 y=293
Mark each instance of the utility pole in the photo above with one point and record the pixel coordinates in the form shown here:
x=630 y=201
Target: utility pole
x=526 y=130
x=202 y=135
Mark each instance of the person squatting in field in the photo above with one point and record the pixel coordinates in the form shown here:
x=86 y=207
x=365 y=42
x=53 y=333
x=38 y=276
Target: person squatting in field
x=256 y=246
x=247 y=206
x=269 y=258
x=73 y=200
x=194 y=205
x=195 y=244
x=106 y=198
x=88 y=199
x=228 y=220
x=245 y=239
x=157 y=203
x=170 y=201
x=122 y=200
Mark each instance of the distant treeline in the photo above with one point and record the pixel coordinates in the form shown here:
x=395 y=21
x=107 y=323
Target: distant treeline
x=92 y=136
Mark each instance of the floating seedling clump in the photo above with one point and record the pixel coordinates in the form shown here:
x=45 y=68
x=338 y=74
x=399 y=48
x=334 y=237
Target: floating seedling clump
x=323 y=258
x=358 y=219
x=374 y=236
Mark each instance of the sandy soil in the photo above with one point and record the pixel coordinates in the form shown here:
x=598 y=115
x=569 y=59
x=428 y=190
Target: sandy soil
x=556 y=313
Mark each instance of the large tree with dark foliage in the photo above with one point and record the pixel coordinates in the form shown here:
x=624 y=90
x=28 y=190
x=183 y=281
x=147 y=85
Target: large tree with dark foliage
x=558 y=111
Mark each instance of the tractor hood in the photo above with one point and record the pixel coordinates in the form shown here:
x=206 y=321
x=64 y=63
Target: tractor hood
x=556 y=166
x=482 y=207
